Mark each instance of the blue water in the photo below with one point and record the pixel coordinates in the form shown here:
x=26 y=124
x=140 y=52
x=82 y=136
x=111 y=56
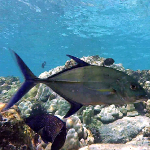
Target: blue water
x=47 y=30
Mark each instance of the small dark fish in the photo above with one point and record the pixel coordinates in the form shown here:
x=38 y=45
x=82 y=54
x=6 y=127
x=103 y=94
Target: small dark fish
x=50 y=128
x=43 y=64
x=108 y=62
x=84 y=84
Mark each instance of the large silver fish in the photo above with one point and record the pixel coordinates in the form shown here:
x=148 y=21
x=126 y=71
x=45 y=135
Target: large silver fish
x=84 y=84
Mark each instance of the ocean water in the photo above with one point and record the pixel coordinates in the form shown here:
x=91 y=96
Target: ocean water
x=47 y=30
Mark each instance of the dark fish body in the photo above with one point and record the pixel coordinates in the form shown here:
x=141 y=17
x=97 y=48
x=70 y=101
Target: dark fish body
x=108 y=62
x=50 y=128
x=43 y=64
x=84 y=84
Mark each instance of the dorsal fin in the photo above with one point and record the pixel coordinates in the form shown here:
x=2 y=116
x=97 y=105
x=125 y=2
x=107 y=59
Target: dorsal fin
x=80 y=62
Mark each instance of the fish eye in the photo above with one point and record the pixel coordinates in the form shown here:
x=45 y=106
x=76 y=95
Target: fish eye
x=133 y=87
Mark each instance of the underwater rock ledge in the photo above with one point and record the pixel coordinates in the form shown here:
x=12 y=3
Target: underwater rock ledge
x=113 y=147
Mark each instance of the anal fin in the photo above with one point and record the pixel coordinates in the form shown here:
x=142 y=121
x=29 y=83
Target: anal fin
x=73 y=109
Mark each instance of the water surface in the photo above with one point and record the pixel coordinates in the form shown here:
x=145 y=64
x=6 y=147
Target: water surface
x=47 y=30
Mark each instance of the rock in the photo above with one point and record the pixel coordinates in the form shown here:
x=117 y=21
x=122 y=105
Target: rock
x=88 y=114
x=74 y=122
x=14 y=133
x=2 y=105
x=44 y=75
x=106 y=118
x=109 y=114
x=88 y=117
x=146 y=131
x=32 y=93
x=25 y=108
x=44 y=93
x=97 y=109
x=148 y=108
x=5 y=86
x=130 y=107
x=77 y=135
x=123 y=130
x=131 y=111
x=48 y=147
x=57 y=106
x=140 y=140
x=72 y=140
x=147 y=83
x=132 y=114
x=114 y=147
x=123 y=110
x=8 y=86
x=4 y=91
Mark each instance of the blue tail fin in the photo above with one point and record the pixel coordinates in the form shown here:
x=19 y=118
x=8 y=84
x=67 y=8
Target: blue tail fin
x=30 y=81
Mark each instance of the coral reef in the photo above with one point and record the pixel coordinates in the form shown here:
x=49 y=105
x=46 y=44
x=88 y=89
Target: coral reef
x=7 y=83
x=123 y=130
x=89 y=117
x=57 y=106
x=78 y=135
x=25 y=108
x=92 y=124
x=148 y=108
x=72 y=140
x=109 y=114
x=14 y=133
x=114 y=147
x=44 y=93
x=8 y=86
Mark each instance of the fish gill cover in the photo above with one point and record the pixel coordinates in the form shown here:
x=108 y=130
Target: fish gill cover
x=47 y=30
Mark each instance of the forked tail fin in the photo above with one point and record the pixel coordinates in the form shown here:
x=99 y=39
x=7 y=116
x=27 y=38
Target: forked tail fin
x=30 y=81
